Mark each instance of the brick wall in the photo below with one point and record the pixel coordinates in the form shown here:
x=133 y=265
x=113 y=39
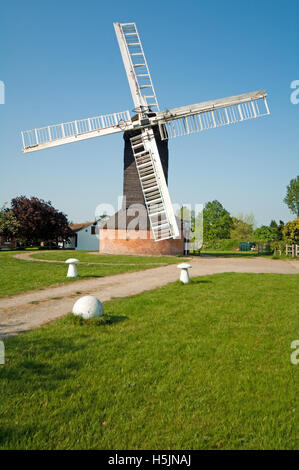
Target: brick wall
x=122 y=242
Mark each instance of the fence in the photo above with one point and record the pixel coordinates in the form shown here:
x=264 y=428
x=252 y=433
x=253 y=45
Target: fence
x=292 y=250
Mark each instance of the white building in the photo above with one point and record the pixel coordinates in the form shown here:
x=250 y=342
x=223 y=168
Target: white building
x=86 y=237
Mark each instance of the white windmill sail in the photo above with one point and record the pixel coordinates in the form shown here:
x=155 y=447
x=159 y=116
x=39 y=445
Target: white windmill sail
x=147 y=158
x=154 y=187
x=74 y=131
x=211 y=114
x=136 y=67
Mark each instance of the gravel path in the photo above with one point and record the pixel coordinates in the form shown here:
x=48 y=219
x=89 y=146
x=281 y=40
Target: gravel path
x=26 y=311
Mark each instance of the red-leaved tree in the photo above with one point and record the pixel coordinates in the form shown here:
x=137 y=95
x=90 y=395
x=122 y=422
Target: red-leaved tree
x=39 y=221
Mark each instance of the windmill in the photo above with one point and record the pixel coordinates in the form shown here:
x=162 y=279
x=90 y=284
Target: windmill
x=146 y=134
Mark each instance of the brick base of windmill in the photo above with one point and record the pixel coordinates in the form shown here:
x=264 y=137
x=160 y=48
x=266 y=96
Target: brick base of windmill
x=140 y=242
x=128 y=231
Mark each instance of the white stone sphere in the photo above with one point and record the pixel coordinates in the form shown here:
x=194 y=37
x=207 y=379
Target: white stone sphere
x=88 y=307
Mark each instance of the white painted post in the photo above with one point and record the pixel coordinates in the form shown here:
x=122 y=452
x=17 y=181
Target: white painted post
x=184 y=276
x=72 y=269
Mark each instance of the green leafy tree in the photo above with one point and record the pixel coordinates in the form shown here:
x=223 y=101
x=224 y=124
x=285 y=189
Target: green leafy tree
x=292 y=196
x=242 y=227
x=217 y=222
x=274 y=225
x=246 y=218
x=291 y=231
x=280 y=230
x=9 y=225
x=265 y=234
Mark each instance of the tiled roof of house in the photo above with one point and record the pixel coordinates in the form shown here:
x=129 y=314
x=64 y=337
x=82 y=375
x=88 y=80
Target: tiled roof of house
x=78 y=227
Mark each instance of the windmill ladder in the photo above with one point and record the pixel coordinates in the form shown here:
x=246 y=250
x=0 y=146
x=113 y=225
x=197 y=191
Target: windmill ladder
x=154 y=188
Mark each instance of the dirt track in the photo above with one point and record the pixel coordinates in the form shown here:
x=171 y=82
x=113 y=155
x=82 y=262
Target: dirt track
x=29 y=310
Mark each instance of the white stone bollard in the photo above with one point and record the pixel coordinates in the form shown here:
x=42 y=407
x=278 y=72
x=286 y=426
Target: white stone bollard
x=72 y=270
x=184 y=277
x=88 y=307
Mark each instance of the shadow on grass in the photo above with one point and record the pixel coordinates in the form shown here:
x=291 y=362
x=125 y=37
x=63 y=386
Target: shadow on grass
x=117 y=318
x=41 y=362
x=199 y=281
x=19 y=431
x=100 y=321
x=44 y=362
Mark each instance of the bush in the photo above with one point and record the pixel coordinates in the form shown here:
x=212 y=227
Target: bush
x=226 y=244
x=265 y=234
x=278 y=245
x=291 y=231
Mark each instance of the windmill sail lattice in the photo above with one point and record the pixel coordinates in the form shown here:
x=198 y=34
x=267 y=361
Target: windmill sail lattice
x=139 y=78
x=147 y=158
x=154 y=187
x=74 y=131
x=211 y=114
x=171 y=123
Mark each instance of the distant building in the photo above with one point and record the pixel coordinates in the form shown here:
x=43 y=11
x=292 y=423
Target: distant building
x=85 y=237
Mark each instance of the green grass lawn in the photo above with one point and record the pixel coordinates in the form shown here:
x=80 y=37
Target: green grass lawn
x=230 y=254
x=244 y=254
x=201 y=366
x=18 y=276
x=84 y=256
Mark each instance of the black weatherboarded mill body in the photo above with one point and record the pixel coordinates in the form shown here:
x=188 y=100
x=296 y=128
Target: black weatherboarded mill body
x=132 y=191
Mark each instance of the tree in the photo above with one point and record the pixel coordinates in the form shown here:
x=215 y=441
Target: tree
x=274 y=226
x=291 y=231
x=217 y=221
x=39 y=220
x=8 y=223
x=292 y=196
x=265 y=234
x=280 y=230
x=242 y=226
x=246 y=218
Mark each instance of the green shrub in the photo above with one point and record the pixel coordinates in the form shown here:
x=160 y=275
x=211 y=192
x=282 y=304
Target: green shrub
x=226 y=244
x=278 y=245
x=291 y=231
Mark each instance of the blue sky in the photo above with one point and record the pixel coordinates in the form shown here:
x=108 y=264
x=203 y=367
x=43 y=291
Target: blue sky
x=60 y=61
